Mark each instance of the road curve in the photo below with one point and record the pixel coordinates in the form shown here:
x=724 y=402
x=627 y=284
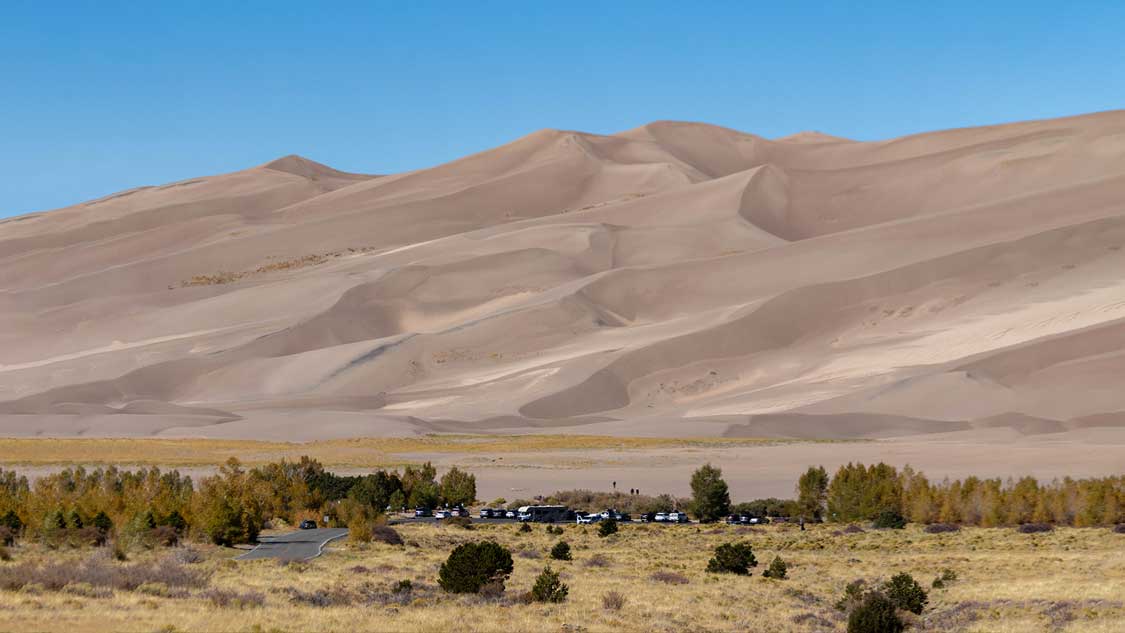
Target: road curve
x=299 y=545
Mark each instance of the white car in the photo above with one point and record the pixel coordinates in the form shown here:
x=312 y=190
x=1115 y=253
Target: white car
x=441 y=514
x=677 y=517
x=660 y=517
x=588 y=518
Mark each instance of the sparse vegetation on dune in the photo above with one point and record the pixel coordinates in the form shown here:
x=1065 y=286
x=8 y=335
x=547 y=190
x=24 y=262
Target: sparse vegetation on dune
x=996 y=581
x=357 y=453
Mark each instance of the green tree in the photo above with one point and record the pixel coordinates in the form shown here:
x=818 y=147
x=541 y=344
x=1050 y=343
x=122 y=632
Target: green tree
x=732 y=558
x=548 y=587
x=561 y=551
x=470 y=566
x=812 y=491
x=419 y=486
x=606 y=528
x=458 y=487
x=906 y=593
x=102 y=522
x=875 y=614
x=710 y=497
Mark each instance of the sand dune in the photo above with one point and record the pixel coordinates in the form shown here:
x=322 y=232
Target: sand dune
x=676 y=279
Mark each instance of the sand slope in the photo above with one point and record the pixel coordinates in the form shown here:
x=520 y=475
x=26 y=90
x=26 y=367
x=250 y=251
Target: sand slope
x=675 y=279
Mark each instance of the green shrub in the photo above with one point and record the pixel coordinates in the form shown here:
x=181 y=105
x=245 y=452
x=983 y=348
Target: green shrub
x=778 y=569
x=472 y=565
x=548 y=587
x=875 y=614
x=403 y=586
x=12 y=521
x=890 y=519
x=732 y=558
x=561 y=551
x=907 y=594
x=5 y=555
x=102 y=522
x=7 y=536
x=607 y=527
x=947 y=576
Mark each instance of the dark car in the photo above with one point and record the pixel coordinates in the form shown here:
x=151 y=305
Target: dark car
x=485 y=513
x=734 y=519
x=423 y=512
x=648 y=517
x=307 y=524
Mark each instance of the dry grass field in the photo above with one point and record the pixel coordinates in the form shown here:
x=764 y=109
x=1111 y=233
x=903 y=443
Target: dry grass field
x=1067 y=580
x=348 y=453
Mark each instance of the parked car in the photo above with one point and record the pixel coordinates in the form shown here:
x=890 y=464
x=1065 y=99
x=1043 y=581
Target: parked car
x=734 y=519
x=442 y=514
x=589 y=518
x=485 y=513
x=307 y=524
x=676 y=517
x=423 y=512
x=621 y=516
x=660 y=517
x=647 y=517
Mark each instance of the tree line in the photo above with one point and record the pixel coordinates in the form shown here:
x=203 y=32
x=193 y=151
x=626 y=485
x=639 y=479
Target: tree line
x=858 y=492
x=228 y=507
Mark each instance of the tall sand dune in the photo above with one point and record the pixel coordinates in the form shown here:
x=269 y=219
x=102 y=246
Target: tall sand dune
x=676 y=279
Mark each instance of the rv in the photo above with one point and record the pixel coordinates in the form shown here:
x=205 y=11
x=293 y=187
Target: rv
x=543 y=514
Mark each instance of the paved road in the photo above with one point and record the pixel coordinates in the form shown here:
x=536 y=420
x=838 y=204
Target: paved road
x=299 y=545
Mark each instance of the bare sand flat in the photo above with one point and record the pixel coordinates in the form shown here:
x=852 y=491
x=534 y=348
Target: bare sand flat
x=673 y=280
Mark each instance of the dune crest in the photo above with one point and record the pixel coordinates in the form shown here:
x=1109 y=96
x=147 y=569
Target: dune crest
x=680 y=279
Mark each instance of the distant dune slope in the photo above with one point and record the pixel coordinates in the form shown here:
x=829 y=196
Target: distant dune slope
x=676 y=279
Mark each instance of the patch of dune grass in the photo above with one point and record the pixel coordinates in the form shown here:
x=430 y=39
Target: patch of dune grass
x=358 y=453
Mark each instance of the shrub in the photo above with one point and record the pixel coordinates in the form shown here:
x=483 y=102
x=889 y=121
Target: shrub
x=905 y=593
x=598 y=560
x=854 y=529
x=668 y=577
x=607 y=527
x=551 y=529
x=939 y=528
x=471 y=565
x=7 y=536
x=88 y=535
x=525 y=527
x=360 y=531
x=386 y=534
x=613 y=601
x=947 y=576
x=778 y=569
x=163 y=536
x=86 y=590
x=102 y=522
x=5 y=555
x=1033 y=528
x=1119 y=528
x=561 y=551
x=464 y=523
x=548 y=587
x=732 y=558
x=403 y=586
x=12 y=521
x=889 y=519
x=224 y=598
x=853 y=595
x=875 y=614
x=186 y=556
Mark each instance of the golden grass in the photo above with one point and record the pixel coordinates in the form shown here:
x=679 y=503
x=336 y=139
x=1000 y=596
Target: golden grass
x=1070 y=580
x=357 y=453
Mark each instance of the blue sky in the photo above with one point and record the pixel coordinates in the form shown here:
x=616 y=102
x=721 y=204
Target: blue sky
x=101 y=96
